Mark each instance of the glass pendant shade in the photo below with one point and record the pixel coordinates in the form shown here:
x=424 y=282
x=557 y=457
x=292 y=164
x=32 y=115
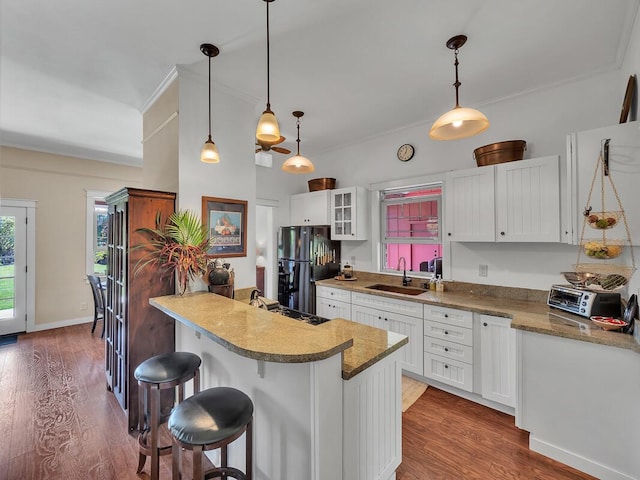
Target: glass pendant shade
x=459 y=123
x=268 y=130
x=298 y=164
x=209 y=152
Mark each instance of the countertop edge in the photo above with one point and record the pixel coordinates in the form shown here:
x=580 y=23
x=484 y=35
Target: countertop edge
x=361 y=368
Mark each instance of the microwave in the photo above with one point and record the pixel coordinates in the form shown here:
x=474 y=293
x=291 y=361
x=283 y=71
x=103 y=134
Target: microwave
x=585 y=302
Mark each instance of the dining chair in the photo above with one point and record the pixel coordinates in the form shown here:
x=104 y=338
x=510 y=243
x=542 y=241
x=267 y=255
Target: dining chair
x=98 y=302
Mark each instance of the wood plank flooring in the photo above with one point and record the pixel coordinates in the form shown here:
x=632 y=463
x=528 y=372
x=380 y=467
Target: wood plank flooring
x=59 y=422
x=445 y=437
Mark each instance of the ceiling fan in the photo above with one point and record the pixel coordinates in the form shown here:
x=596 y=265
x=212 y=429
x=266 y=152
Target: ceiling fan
x=268 y=146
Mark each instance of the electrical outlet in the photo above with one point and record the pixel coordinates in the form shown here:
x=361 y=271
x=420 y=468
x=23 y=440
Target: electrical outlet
x=483 y=270
x=83 y=306
x=353 y=260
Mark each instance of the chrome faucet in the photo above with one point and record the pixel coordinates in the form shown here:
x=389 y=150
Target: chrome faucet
x=405 y=280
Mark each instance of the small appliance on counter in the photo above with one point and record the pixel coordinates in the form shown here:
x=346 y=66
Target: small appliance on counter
x=347 y=271
x=585 y=302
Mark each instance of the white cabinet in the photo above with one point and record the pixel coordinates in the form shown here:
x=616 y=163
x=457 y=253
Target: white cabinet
x=397 y=316
x=349 y=214
x=510 y=202
x=498 y=359
x=448 y=346
x=310 y=208
x=528 y=200
x=469 y=205
x=333 y=302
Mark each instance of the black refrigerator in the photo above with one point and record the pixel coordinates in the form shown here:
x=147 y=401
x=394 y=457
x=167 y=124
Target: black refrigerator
x=305 y=254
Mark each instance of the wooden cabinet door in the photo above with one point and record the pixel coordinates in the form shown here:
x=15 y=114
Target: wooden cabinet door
x=528 y=200
x=498 y=359
x=367 y=316
x=412 y=355
x=470 y=205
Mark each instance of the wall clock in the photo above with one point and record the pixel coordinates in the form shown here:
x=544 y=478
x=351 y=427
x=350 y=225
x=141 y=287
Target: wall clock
x=405 y=152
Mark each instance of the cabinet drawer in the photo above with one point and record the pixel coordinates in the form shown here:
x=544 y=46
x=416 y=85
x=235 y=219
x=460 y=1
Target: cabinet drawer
x=333 y=293
x=386 y=304
x=449 y=316
x=451 y=333
x=443 y=348
x=451 y=372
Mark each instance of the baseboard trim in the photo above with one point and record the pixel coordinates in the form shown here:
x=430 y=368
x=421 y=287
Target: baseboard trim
x=574 y=460
x=39 y=327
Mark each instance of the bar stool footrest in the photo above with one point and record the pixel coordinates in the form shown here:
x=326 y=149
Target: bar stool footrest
x=218 y=472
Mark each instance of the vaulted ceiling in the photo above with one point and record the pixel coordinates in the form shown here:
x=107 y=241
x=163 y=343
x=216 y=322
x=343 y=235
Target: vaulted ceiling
x=74 y=75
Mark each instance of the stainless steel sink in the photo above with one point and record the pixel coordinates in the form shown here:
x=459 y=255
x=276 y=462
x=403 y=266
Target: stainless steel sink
x=396 y=289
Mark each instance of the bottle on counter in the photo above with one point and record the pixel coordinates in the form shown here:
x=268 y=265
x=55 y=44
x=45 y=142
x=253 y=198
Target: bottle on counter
x=432 y=284
x=439 y=284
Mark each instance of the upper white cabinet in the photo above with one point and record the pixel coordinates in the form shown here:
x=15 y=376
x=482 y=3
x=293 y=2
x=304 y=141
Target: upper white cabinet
x=310 y=208
x=509 y=202
x=528 y=200
x=469 y=205
x=349 y=214
x=498 y=359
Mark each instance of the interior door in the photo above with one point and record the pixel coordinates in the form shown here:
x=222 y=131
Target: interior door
x=13 y=266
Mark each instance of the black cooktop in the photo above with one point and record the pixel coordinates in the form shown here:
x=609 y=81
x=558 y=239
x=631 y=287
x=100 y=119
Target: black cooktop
x=297 y=315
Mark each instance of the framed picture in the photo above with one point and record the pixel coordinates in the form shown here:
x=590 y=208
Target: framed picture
x=226 y=222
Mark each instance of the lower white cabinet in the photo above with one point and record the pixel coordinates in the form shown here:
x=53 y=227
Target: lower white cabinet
x=398 y=316
x=498 y=360
x=333 y=302
x=448 y=346
x=331 y=309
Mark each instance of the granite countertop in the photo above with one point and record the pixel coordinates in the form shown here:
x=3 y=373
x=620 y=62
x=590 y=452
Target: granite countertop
x=527 y=308
x=262 y=335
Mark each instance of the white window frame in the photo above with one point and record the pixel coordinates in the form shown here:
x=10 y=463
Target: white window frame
x=92 y=197
x=377 y=227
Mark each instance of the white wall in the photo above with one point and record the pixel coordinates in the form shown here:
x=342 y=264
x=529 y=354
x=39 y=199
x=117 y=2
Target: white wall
x=233 y=130
x=543 y=118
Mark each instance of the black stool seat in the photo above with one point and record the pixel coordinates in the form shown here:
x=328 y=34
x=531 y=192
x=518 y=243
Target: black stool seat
x=167 y=367
x=209 y=420
x=211 y=416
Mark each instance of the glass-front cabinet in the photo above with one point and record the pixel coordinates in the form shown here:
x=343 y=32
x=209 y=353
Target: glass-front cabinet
x=349 y=214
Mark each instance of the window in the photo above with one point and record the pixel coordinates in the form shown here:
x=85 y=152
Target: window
x=411 y=229
x=96 y=233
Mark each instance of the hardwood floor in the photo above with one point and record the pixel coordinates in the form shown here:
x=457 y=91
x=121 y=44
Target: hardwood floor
x=446 y=437
x=59 y=422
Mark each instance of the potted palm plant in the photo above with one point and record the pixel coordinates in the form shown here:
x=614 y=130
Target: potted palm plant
x=179 y=247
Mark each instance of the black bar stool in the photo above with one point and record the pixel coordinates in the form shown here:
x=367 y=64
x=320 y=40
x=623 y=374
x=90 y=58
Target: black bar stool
x=212 y=419
x=161 y=372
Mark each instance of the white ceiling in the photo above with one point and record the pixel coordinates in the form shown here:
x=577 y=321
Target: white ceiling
x=75 y=74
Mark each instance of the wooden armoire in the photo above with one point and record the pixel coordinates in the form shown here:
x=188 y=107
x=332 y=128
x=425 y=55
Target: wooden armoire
x=134 y=330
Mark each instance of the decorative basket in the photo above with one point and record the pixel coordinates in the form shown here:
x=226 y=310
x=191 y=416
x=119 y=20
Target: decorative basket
x=322 y=184
x=603 y=220
x=606 y=276
x=602 y=249
x=500 y=152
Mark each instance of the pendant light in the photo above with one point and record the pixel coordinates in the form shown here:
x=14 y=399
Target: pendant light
x=298 y=163
x=209 y=152
x=268 y=130
x=460 y=122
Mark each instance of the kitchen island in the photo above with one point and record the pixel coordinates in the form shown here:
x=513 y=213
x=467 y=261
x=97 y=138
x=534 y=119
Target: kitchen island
x=327 y=398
